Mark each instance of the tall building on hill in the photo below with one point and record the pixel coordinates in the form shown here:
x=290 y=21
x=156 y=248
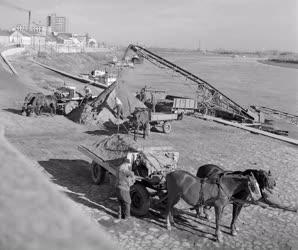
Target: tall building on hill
x=56 y=23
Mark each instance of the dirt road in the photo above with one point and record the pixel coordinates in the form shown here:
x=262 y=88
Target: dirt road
x=52 y=143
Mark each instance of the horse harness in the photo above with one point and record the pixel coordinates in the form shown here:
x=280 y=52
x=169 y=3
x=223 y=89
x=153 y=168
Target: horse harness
x=215 y=180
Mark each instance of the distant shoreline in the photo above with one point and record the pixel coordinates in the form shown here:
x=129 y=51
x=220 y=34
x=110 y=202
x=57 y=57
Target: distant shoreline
x=279 y=64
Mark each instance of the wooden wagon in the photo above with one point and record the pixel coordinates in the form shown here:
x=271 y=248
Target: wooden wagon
x=150 y=177
x=163 y=120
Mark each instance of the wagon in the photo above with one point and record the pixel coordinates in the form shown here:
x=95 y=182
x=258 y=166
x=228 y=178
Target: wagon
x=150 y=177
x=68 y=99
x=163 y=120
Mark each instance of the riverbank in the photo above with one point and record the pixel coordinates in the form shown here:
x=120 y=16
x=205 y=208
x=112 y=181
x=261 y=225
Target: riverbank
x=279 y=63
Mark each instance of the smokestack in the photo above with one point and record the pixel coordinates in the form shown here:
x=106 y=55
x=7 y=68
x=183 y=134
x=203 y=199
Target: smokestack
x=29 y=20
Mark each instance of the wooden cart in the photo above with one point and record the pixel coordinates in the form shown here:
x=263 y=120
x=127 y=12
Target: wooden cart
x=146 y=180
x=163 y=120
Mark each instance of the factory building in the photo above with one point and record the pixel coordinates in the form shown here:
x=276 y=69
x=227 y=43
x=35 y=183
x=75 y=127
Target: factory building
x=56 y=23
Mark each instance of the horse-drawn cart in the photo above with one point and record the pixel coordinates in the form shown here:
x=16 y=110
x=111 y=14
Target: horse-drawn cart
x=150 y=166
x=145 y=119
x=163 y=120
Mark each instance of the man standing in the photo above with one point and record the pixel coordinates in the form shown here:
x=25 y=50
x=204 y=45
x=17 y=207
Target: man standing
x=125 y=179
x=119 y=108
x=88 y=94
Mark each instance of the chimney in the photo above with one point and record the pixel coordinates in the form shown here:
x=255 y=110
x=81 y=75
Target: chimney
x=29 y=20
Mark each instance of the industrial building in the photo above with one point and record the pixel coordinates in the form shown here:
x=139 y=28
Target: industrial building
x=56 y=23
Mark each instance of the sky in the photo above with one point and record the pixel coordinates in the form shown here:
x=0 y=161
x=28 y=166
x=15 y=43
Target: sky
x=210 y=24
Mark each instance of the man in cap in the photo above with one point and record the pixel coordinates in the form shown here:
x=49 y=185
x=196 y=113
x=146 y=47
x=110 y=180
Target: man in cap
x=125 y=179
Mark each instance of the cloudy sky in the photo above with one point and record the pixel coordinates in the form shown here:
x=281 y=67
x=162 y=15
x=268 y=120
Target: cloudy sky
x=229 y=24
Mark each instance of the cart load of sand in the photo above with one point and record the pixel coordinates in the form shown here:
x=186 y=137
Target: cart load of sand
x=102 y=110
x=114 y=149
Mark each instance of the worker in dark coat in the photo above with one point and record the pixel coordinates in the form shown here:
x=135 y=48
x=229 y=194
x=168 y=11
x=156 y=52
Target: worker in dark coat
x=125 y=179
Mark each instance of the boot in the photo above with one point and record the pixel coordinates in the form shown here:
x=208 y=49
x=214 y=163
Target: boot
x=127 y=211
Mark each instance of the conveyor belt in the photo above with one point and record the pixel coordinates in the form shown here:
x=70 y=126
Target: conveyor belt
x=211 y=96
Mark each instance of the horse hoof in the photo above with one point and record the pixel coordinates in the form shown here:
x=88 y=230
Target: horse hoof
x=219 y=238
x=234 y=233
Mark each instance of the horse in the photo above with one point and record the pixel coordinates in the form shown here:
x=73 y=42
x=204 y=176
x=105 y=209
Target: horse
x=45 y=101
x=140 y=119
x=264 y=179
x=216 y=192
x=28 y=107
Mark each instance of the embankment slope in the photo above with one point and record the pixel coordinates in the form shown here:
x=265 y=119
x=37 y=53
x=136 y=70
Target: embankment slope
x=34 y=215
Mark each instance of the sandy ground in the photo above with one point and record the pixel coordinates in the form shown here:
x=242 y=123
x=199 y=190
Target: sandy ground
x=52 y=143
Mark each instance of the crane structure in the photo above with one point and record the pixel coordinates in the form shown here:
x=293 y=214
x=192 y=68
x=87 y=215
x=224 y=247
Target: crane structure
x=209 y=100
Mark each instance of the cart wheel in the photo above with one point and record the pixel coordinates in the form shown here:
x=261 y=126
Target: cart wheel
x=98 y=173
x=140 y=200
x=70 y=106
x=166 y=127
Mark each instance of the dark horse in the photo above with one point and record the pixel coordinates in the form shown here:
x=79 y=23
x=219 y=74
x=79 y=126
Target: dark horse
x=264 y=179
x=45 y=101
x=30 y=100
x=140 y=119
x=216 y=192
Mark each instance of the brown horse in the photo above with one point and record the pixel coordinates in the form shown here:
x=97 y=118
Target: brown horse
x=28 y=107
x=264 y=179
x=42 y=102
x=216 y=192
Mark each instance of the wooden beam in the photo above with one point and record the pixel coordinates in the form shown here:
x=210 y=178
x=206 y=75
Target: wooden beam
x=252 y=130
x=80 y=79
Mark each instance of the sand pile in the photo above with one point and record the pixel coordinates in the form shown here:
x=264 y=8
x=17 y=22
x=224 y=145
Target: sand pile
x=105 y=113
x=114 y=148
x=129 y=101
x=86 y=114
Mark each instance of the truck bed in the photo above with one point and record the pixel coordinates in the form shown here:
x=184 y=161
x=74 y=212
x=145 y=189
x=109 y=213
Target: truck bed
x=155 y=117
